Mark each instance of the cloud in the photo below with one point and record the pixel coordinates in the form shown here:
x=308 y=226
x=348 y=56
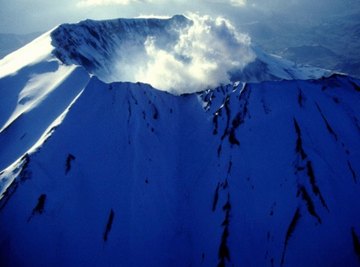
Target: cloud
x=238 y=2
x=202 y=57
x=91 y=3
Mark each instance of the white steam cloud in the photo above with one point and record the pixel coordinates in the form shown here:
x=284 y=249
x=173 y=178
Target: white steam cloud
x=202 y=57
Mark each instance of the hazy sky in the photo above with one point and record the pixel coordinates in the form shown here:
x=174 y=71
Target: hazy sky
x=24 y=16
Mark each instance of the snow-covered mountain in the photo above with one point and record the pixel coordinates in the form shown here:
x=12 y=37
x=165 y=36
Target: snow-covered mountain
x=115 y=173
x=98 y=47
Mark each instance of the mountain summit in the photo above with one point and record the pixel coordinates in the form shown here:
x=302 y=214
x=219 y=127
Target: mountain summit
x=98 y=170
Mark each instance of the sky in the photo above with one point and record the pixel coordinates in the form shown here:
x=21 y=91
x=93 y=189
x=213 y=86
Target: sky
x=24 y=16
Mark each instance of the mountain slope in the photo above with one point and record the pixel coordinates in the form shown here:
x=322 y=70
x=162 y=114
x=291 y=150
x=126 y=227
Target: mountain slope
x=31 y=100
x=123 y=174
x=253 y=175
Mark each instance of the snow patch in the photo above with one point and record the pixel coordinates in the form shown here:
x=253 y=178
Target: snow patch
x=37 y=89
x=32 y=53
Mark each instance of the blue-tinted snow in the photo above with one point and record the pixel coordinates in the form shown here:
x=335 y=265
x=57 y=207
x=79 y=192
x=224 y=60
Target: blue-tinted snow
x=122 y=174
x=153 y=159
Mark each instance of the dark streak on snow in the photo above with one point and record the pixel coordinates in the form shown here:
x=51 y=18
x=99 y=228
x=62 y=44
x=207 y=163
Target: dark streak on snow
x=202 y=257
x=25 y=173
x=336 y=100
x=315 y=188
x=228 y=115
x=235 y=124
x=207 y=96
x=225 y=184
x=272 y=210
x=219 y=150
x=40 y=205
x=129 y=112
x=308 y=167
x=355 y=86
x=231 y=124
x=216 y=121
x=23 y=136
x=69 y=159
x=39 y=208
x=224 y=253
x=289 y=232
x=309 y=203
x=345 y=149
x=221 y=89
x=229 y=167
x=266 y=108
x=155 y=112
x=357 y=123
x=352 y=172
x=301 y=98
x=239 y=118
x=328 y=127
x=109 y=225
x=133 y=98
x=299 y=147
x=216 y=197
x=356 y=242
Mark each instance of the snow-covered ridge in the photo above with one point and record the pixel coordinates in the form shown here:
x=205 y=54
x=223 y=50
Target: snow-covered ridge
x=36 y=51
x=173 y=54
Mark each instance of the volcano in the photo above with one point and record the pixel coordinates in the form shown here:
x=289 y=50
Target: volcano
x=98 y=170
